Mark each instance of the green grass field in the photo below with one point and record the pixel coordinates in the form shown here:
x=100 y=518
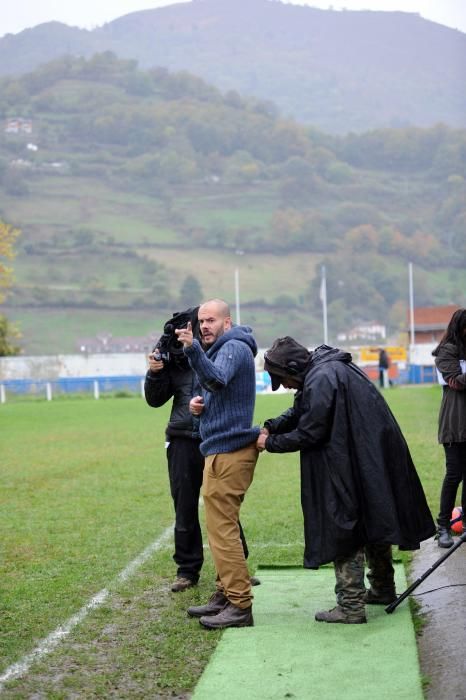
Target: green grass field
x=84 y=491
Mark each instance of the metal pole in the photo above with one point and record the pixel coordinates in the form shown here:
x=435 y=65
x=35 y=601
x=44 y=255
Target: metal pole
x=427 y=573
x=238 y=317
x=96 y=389
x=2 y=393
x=48 y=391
x=323 y=298
x=411 y=304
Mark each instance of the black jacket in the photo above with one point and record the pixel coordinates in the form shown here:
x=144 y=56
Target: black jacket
x=452 y=416
x=178 y=383
x=358 y=482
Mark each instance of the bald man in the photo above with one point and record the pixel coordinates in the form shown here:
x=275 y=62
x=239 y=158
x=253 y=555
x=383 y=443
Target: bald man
x=225 y=404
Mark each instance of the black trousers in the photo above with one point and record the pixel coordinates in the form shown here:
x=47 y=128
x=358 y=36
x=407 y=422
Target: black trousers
x=382 y=371
x=185 y=470
x=455 y=456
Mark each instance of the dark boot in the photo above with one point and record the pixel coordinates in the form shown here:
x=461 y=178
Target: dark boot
x=444 y=537
x=182 y=584
x=337 y=614
x=230 y=616
x=379 y=598
x=217 y=601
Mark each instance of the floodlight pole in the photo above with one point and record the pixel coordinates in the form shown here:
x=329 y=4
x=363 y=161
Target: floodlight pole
x=323 y=298
x=411 y=304
x=238 y=317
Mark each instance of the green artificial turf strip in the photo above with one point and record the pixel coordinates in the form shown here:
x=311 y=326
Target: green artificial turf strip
x=289 y=655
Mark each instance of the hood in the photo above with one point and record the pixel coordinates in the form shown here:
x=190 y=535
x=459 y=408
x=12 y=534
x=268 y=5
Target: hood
x=324 y=353
x=286 y=358
x=241 y=333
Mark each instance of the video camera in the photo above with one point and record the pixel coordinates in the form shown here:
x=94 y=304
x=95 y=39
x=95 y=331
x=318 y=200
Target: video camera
x=168 y=347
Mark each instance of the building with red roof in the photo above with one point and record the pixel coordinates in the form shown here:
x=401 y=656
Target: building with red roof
x=430 y=322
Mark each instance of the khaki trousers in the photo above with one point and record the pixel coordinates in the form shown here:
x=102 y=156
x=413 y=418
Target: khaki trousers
x=227 y=477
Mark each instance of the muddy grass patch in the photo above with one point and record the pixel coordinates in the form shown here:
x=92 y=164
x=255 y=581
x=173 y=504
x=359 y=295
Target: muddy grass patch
x=139 y=644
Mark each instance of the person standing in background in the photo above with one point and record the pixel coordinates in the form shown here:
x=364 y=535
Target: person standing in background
x=384 y=366
x=450 y=360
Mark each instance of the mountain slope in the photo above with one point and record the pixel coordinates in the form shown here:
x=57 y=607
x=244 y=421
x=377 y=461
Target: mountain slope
x=338 y=70
x=134 y=190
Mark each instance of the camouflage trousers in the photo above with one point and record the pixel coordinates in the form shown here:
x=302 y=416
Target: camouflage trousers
x=349 y=574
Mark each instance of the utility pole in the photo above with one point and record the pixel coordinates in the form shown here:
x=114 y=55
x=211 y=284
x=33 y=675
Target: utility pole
x=323 y=298
x=238 y=317
x=411 y=304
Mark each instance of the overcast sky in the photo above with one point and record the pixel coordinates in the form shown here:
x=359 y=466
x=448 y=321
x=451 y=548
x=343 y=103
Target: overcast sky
x=16 y=15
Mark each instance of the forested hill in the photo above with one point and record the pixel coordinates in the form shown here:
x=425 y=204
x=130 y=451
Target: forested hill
x=338 y=70
x=139 y=191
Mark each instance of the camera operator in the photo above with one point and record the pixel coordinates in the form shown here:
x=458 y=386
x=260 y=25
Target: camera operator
x=170 y=377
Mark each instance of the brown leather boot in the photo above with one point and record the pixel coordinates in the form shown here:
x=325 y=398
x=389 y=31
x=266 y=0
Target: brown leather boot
x=230 y=616
x=216 y=602
x=337 y=614
x=181 y=584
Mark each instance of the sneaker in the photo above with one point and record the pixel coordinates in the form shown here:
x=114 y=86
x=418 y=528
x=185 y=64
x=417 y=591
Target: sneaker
x=230 y=616
x=216 y=602
x=337 y=614
x=371 y=598
x=255 y=581
x=181 y=584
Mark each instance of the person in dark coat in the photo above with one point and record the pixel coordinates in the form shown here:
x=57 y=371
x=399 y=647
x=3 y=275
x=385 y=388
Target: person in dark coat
x=384 y=366
x=450 y=360
x=360 y=492
x=170 y=377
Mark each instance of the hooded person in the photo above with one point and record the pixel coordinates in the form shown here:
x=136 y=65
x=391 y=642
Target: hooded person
x=360 y=492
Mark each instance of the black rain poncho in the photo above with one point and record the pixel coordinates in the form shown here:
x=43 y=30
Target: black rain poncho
x=358 y=481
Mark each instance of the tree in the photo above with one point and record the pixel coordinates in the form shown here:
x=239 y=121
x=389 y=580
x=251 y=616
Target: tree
x=8 y=235
x=8 y=335
x=190 y=292
x=361 y=239
x=8 y=332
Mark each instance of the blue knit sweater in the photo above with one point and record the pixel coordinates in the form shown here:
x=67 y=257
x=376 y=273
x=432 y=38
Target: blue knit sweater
x=227 y=377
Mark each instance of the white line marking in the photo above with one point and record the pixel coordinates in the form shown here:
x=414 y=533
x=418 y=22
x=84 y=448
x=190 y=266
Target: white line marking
x=52 y=641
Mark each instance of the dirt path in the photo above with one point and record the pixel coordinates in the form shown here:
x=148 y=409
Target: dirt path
x=442 y=645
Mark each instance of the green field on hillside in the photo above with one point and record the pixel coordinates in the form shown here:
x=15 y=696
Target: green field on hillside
x=84 y=491
x=96 y=261
x=54 y=331
x=127 y=184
